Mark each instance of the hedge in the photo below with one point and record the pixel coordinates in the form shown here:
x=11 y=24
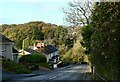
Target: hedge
x=33 y=58
x=14 y=67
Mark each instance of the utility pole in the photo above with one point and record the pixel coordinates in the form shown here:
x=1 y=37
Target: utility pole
x=23 y=47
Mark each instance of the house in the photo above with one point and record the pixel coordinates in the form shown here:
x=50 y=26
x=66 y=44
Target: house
x=51 y=53
x=15 y=55
x=28 y=51
x=25 y=52
x=7 y=50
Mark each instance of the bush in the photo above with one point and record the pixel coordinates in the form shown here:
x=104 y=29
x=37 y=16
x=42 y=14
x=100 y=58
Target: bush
x=32 y=59
x=15 y=67
x=44 y=64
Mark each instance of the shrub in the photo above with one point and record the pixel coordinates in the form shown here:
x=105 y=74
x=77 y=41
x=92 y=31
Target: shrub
x=15 y=67
x=33 y=59
x=44 y=64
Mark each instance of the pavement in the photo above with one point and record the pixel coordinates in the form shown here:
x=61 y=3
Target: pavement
x=88 y=74
x=71 y=73
x=9 y=76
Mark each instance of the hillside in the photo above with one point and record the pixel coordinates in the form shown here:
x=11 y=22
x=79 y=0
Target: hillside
x=63 y=38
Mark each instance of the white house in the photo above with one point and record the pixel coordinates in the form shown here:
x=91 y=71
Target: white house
x=51 y=53
x=6 y=49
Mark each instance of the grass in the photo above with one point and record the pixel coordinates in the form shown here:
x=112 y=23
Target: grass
x=46 y=65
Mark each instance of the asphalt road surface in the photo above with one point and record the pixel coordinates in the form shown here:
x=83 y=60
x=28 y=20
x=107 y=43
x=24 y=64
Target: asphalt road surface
x=72 y=73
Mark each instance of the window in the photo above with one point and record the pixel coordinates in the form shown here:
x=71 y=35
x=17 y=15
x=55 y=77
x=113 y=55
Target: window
x=2 y=48
x=15 y=58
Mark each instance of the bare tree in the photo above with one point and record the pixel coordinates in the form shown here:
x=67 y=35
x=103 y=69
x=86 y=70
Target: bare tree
x=78 y=13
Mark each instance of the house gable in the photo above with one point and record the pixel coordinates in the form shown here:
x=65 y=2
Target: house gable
x=6 y=46
x=5 y=40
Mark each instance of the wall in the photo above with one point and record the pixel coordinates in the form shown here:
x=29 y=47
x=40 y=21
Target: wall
x=7 y=52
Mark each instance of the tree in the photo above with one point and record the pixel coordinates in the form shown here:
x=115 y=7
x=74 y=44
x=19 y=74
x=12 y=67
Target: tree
x=86 y=33
x=105 y=39
x=100 y=33
x=101 y=37
x=79 y=13
x=77 y=53
x=68 y=56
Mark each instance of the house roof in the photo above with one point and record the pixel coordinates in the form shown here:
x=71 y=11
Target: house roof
x=4 y=39
x=14 y=50
x=32 y=51
x=49 y=49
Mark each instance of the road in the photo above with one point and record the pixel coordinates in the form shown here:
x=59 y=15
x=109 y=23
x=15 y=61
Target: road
x=73 y=72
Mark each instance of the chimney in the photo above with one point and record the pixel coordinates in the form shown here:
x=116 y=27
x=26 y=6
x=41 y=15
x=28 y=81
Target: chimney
x=42 y=45
x=39 y=45
x=34 y=45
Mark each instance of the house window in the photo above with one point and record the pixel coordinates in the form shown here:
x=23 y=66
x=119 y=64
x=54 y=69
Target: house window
x=2 y=48
x=15 y=58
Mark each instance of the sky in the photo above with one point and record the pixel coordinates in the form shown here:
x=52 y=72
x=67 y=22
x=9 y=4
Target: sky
x=23 y=11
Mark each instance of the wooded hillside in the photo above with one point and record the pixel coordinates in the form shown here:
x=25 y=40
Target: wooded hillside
x=65 y=39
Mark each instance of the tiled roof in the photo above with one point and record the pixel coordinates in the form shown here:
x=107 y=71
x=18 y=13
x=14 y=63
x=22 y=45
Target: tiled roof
x=49 y=49
x=4 y=39
x=32 y=51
